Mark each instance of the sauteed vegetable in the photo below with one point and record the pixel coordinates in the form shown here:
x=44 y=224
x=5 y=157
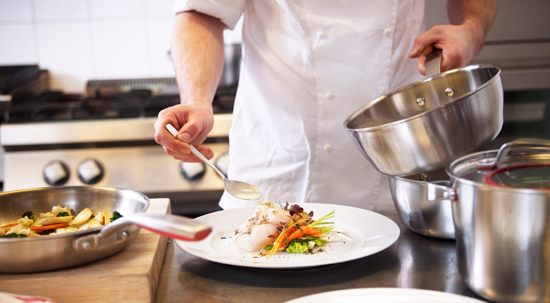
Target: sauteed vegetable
x=57 y=221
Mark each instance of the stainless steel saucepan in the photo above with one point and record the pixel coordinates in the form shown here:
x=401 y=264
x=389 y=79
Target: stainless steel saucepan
x=501 y=210
x=415 y=209
x=43 y=253
x=429 y=123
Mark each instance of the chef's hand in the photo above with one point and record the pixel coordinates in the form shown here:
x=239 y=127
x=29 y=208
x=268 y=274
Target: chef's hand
x=459 y=44
x=194 y=121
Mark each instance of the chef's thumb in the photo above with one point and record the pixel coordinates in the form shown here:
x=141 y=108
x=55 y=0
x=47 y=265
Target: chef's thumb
x=188 y=132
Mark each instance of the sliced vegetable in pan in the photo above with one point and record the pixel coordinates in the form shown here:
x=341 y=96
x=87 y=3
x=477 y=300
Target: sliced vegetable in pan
x=57 y=221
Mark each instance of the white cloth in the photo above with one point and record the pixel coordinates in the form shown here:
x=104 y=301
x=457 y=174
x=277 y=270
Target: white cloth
x=308 y=65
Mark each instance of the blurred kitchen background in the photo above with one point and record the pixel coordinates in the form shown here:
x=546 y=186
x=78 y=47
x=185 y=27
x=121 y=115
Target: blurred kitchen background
x=81 y=82
x=79 y=40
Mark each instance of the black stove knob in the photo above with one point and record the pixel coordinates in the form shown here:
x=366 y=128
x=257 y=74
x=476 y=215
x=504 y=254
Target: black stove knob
x=192 y=171
x=56 y=173
x=90 y=171
x=222 y=163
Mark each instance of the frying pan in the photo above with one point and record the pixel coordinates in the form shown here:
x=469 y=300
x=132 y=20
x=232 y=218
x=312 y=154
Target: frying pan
x=44 y=253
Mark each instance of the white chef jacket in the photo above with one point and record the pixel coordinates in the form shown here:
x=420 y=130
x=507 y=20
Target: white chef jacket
x=306 y=66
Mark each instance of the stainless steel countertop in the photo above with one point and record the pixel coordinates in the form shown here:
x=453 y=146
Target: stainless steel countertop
x=413 y=261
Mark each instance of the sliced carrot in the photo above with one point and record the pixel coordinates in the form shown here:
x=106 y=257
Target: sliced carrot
x=106 y=219
x=51 y=226
x=292 y=233
x=268 y=242
x=8 y=225
x=282 y=239
x=304 y=231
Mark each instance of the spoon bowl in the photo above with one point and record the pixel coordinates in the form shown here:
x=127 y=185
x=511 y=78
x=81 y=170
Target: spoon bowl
x=237 y=189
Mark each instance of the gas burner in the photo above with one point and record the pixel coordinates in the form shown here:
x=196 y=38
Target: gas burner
x=105 y=104
x=159 y=103
x=122 y=105
x=49 y=106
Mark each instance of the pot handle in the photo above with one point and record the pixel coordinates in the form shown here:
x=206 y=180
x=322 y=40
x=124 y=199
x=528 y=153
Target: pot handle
x=516 y=145
x=433 y=62
x=171 y=226
x=436 y=192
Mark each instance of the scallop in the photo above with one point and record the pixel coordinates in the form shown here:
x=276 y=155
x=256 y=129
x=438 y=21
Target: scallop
x=255 y=237
x=253 y=234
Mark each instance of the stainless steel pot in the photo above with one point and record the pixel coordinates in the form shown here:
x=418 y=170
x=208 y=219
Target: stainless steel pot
x=415 y=209
x=34 y=254
x=427 y=124
x=502 y=233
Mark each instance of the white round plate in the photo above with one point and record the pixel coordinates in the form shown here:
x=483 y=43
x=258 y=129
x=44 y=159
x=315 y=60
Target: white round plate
x=384 y=295
x=366 y=233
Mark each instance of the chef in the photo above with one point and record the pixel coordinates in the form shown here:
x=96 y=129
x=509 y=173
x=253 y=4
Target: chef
x=306 y=66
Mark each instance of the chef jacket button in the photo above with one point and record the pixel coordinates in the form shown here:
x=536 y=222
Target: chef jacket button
x=387 y=32
x=329 y=95
x=321 y=35
x=327 y=148
x=382 y=90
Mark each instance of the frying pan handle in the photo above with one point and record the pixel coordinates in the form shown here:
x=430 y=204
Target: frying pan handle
x=433 y=62
x=171 y=226
x=516 y=145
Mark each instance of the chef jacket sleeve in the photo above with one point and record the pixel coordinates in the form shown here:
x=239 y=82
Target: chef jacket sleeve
x=228 y=11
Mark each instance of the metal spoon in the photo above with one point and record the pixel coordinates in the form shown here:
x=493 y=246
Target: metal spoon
x=237 y=189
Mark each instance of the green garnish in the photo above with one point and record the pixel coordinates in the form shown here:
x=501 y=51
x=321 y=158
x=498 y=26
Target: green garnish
x=297 y=247
x=29 y=214
x=63 y=214
x=322 y=220
x=115 y=216
x=14 y=235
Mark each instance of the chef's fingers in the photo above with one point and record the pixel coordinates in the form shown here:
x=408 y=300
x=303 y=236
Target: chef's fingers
x=424 y=41
x=197 y=125
x=451 y=59
x=189 y=131
x=178 y=155
x=166 y=139
x=205 y=151
x=178 y=149
x=424 y=44
x=422 y=59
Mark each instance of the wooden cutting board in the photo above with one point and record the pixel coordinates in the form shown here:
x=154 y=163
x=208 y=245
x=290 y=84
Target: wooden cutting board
x=128 y=276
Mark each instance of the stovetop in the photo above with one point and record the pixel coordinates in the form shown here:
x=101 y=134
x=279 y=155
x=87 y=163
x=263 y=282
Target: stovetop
x=58 y=106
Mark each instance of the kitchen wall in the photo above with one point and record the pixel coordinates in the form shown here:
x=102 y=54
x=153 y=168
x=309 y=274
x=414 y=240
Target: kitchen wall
x=78 y=40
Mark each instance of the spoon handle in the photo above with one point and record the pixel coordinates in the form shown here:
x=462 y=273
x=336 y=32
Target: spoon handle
x=203 y=158
x=174 y=133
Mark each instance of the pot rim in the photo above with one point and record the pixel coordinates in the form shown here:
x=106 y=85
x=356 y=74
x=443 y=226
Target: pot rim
x=416 y=83
x=483 y=185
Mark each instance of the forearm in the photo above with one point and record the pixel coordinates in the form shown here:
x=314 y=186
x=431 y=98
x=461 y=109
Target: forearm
x=478 y=15
x=197 y=55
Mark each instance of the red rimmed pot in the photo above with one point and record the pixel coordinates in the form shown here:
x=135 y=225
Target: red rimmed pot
x=501 y=211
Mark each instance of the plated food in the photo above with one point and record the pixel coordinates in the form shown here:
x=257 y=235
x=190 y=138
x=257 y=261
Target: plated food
x=57 y=221
x=286 y=229
x=366 y=233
